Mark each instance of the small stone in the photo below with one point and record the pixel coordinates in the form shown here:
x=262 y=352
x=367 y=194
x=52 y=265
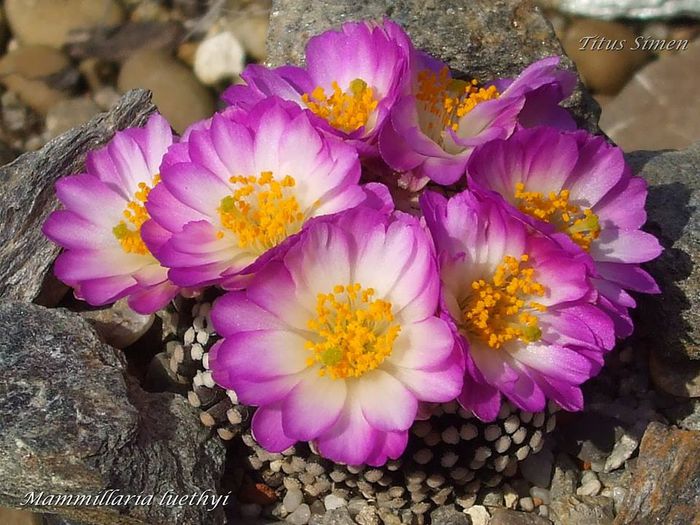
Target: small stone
x=367 y=516
x=49 y=22
x=448 y=515
x=176 y=91
x=510 y=497
x=292 y=500
x=542 y=494
x=31 y=72
x=583 y=510
x=478 y=514
x=493 y=498
x=300 y=516
x=527 y=504
x=118 y=324
x=607 y=63
x=334 y=502
x=590 y=488
x=511 y=517
x=565 y=477
x=219 y=57
x=338 y=516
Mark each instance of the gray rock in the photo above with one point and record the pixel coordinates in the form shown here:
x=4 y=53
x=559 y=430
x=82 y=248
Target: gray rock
x=448 y=515
x=481 y=38
x=74 y=423
x=27 y=195
x=339 y=516
x=583 y=510
x=478 y=514
x=673 y=209
x=665 y=486
x=511 y=517
x=644 y=9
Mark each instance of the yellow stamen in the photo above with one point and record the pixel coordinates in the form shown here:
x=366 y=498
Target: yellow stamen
x=344 y=110
x=129 y=234
x=353 y=333
x=502 y=310
x=581 y=224
x=449 y=99
x=260 y=212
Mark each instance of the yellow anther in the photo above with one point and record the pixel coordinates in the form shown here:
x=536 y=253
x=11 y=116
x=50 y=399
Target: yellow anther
x=128 y=231
x=501 y=311
x=353 y=334
x=581 y=224
x=344 y=110
x=450 y=99
x=260 y=211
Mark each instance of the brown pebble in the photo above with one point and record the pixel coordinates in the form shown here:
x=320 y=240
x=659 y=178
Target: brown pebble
x=607 y=62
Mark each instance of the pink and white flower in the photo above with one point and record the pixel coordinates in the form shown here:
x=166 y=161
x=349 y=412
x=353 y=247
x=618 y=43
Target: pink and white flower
x=435 y=128
x=577 y=188
x=338 y=342
x=521 y=308
x=109 y=242
x=353 y=77
x=237 y=188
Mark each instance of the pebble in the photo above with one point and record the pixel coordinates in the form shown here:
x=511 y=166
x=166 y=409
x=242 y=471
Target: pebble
x=478 y=514
x=25 y=71
x=250 y=27
x=510 y=497
x=493 y=498
x=68 y=114
x=332 y=502
x=367 y=516
x=219 y=57
x=49 y=22
x=177 y=92
x=542 y=494
x=300 y=516
x=292 y=500
x=590 y=488
x=604 y=71
x=527 y=504
x=622 y=451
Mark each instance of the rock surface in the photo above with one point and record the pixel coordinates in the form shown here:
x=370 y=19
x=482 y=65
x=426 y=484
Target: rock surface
x=511 y=517
x=666 y=483
x=673 y=209
x=583 y=510
x=74 y=423
x=481 y=38
x=27 y=194
x=659 y=108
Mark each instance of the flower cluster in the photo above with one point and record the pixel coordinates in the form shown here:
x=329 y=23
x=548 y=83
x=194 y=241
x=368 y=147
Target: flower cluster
x=343 y=316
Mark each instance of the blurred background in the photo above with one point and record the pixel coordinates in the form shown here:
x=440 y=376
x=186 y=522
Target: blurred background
x=62 y=61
